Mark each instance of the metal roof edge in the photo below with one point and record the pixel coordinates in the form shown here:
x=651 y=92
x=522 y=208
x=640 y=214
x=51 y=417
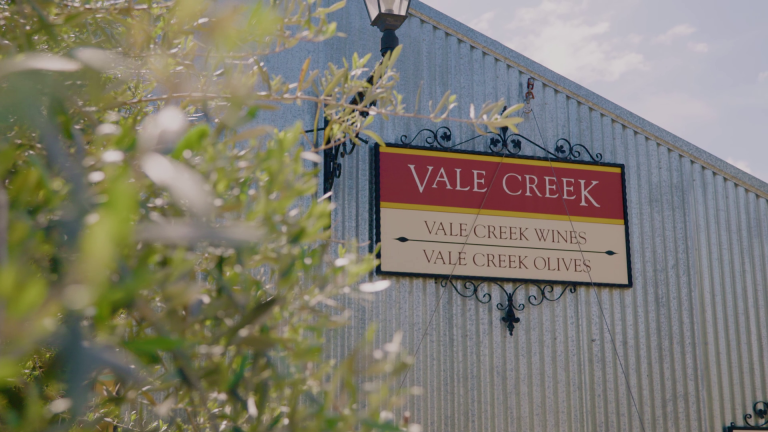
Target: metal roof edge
x=588 y=97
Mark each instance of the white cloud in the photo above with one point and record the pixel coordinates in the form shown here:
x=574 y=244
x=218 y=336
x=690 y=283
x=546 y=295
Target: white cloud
x=740 y=164
x=675 y=111
x=483 y=22
x=555 y=34
x=635 y=38
x=698 y=47
x=762 y=76
x=675 y=32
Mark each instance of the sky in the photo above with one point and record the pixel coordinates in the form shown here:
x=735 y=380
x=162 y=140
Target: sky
x=697 y=68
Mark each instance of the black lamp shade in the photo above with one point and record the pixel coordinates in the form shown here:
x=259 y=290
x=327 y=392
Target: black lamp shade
x=387 y=14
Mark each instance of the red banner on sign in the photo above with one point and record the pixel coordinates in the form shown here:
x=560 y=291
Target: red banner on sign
x=463 y=183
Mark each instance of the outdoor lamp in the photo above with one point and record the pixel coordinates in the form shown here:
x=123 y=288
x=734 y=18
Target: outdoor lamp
x=388 y=16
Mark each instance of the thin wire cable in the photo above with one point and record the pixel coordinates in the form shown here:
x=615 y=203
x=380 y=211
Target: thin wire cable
x=594 y=290
x=439 y=299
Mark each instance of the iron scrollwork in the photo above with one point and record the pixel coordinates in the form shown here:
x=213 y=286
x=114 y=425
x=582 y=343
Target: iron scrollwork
x=758 y=421
x=508 y=302
x=441 y=137
x=332 y=162
x=502 y=142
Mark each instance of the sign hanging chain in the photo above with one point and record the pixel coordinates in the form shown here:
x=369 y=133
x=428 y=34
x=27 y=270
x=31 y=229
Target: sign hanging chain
x=439 y=299
x=594 y=290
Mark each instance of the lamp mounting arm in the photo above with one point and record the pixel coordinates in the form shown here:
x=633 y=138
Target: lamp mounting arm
x=389 y=42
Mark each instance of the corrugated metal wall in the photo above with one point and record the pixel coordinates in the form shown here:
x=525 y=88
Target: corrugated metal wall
x=691 y=333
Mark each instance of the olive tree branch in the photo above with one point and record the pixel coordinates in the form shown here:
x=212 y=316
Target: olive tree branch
x=115 y=6
x=495 y=121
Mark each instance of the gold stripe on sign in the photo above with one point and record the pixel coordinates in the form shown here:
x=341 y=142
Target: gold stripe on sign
x=444 y=209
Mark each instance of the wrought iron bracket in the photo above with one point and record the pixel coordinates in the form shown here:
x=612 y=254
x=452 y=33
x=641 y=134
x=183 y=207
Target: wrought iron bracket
x=502 y=142
x=508 y=302
x=332 y=162
x=758 y=421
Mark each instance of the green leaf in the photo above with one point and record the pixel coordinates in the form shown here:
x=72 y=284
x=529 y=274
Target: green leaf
x=325 y=11
x=254 y=316
x=254 y=132
x=512 y=109
x=278 y=418
x=193 y=140
x=335 y=82
x=309 y=353
x=7 y=159
x=9 y=369
x=381 y=426
x=238 y=376
x=259 y=343
x=153 y=345
x=375 y=136
x=303 y=73
x=27 y=298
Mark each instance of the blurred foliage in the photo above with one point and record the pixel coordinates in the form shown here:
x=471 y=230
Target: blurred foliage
x=165 y=262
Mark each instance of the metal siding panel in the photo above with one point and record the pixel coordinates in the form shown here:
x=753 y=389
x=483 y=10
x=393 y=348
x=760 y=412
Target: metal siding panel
x=614 y=300
x=731 y=282
x=757 y=230
x=667 y=288
x=676 y=241
x=702 y=303
x=685 y=227
x=720 y=362
x=744 y=289
x=636 y=325
x=761 y=256
x=622 y=321
x=739 y=329
x=705 y=301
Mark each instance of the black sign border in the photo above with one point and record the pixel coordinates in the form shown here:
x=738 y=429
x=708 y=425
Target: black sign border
x=376 y=214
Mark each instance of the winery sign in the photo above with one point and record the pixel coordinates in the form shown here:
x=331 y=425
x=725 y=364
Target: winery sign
x=500 y=217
